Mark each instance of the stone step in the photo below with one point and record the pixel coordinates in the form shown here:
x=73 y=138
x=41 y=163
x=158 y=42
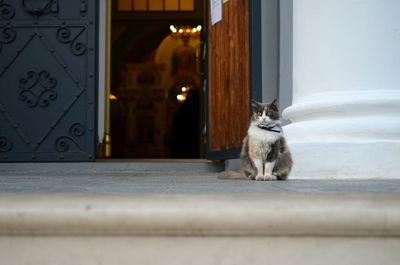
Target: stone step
x=114 y=165
x=200 y=229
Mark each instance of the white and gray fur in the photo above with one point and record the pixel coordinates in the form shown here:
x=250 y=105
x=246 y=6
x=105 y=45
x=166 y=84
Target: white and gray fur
x=265 y=154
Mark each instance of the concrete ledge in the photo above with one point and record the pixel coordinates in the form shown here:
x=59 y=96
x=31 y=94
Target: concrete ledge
x=277 y=215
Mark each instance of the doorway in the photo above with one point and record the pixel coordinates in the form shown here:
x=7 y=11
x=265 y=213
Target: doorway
x=157 y=97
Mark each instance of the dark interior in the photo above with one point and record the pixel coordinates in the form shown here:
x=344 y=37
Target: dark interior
x=157 y=98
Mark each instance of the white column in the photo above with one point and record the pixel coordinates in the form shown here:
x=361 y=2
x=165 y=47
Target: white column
x=345 y=117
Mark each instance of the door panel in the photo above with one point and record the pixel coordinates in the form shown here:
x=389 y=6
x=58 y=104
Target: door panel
x=47 y=80
x=228 y=81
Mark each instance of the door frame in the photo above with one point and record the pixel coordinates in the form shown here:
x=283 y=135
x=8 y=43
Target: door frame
x=256 y=65
x=255 y=45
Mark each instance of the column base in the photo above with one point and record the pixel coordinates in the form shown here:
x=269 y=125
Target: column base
x=345 y=160
x=346 y=134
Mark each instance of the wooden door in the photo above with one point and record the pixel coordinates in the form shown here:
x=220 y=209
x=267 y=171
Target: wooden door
x=228 y=91
x=47 y=80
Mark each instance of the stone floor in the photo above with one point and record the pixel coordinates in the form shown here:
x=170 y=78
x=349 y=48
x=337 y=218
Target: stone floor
x=179 y=182
x=145 y=213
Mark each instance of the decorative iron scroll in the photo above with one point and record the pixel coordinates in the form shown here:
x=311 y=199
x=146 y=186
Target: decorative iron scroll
x=64 y=35
x=7 y=35
x=5 y=144
x=63 y=143
x=37 y=7
x=46 y=92
x=6 y=11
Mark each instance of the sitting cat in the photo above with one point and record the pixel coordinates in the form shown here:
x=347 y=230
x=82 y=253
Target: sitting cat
x=265 y=154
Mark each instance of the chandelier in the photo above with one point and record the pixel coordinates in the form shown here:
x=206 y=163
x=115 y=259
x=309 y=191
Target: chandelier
x=185 y=32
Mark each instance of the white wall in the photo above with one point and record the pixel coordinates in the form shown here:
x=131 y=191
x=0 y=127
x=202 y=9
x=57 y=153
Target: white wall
x=276 y=51
x=285 y=53
x=269 y=49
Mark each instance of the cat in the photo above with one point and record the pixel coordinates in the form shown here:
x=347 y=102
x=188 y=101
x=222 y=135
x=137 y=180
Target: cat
x=265 y=154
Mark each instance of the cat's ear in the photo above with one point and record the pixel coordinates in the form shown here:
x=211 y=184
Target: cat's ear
x=275 y=104
x=254 y=103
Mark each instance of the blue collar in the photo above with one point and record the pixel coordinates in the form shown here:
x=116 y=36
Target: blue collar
x=270 y=129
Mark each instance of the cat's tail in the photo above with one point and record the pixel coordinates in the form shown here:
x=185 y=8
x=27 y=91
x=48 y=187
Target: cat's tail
x=232 y=175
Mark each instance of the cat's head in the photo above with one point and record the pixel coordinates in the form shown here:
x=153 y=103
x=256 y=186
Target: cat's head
x=266 y=114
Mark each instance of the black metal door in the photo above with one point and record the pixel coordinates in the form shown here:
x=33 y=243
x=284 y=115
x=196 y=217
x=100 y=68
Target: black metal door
x=47 y=80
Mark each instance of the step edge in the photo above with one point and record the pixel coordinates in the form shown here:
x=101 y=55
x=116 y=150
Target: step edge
x=178 y=215
x=112 y=166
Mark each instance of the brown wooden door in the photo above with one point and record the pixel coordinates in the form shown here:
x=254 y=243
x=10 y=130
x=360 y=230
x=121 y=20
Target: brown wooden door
x=228 y=92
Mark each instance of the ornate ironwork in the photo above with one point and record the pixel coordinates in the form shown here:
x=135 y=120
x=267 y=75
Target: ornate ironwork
x=46 y=93
x=76 y=130
x=14 y=125
x=57 y=86
x=6 y=11
x=63 y=143
x=5 y=144
x=37 y=7
x=7 y=35
x=77 y=47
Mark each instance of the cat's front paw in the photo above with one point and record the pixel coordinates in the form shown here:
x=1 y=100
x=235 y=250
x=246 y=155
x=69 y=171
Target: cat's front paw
x=266 y=177
x=259 y=177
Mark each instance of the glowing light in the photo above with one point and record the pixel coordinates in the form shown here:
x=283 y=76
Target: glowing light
x=112 y=97
x=184 y=89
x=184 y=32
x=181 y=97
x=172 y=28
